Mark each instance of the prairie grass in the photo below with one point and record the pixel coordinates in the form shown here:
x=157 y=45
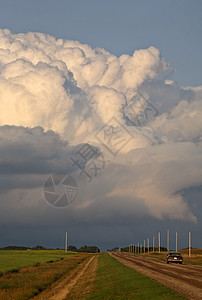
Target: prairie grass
x=13 y=260
x=28 y=282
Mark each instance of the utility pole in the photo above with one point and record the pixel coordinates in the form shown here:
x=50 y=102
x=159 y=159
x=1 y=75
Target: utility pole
x=176 y=241
x=66 y=242
x=189 y=244
x=168 y=233
x=148 y=244
x=153 y=243
x=138 y=247
x=144 y=246
x=159 y=242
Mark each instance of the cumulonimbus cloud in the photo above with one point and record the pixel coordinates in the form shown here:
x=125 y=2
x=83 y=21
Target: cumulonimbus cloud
x=43 y=79
x=53 y=91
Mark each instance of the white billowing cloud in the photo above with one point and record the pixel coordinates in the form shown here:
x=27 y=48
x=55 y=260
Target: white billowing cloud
x=54 y=91
x=183 y=123
x=98 y=67
x=42 y=79
x=107 y=102
x=35 y=95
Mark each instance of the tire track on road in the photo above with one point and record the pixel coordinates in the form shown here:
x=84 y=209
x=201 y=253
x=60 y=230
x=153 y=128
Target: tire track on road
x=62 y=288
x=185 y=279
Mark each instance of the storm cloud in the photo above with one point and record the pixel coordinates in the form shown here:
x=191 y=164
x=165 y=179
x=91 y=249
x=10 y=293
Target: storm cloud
x=56 y=95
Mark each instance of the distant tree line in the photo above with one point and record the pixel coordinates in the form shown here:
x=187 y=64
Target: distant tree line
x=85 y=248
x=115 y=249
x=23 y=248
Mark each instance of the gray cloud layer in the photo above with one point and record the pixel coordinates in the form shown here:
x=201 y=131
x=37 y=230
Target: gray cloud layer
x=56 y=95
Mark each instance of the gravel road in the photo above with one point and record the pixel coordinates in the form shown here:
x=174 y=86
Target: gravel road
x=185 y=279
x=76 y=284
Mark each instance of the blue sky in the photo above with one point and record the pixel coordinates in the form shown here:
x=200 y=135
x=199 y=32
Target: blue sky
x=174 y=26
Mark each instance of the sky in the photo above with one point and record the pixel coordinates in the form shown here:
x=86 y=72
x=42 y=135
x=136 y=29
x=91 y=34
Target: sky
x=116 y=84
x=119 y=27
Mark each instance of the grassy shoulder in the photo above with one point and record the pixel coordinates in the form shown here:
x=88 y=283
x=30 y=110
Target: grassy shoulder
x=13 y=260
x=116 y=281
x=30 y=281
x=196 y=256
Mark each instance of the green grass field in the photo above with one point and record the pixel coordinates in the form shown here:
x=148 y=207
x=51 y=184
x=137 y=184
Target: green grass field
x=116 y=281
x=28 y=282
x=113 y=279
x=13 y=260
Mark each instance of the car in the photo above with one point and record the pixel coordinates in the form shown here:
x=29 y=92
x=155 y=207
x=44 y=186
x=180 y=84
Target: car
x=175 y=257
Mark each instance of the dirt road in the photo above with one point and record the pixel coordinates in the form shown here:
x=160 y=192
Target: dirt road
x=185 y=279
x=75 y=284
